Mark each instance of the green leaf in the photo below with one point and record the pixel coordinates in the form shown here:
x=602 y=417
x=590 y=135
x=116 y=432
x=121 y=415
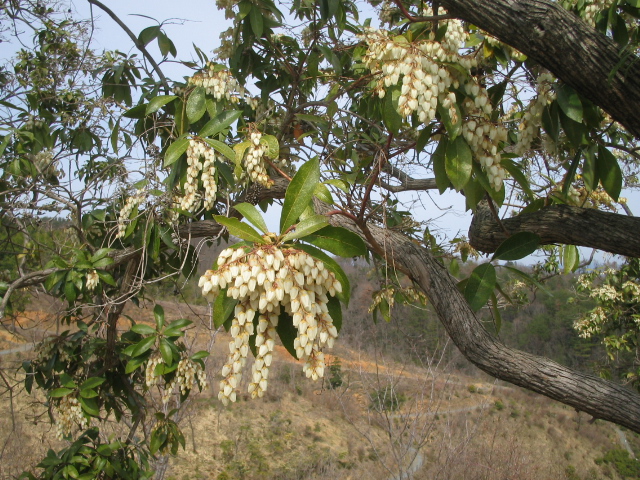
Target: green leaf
x=287 y=332
x=323 y=193
x=609 y=172
x=220 y=123
x=570 y=258
x=158 y=315
x=103 y=262
x=223 y=308
x=196 y=104
x=458 y=162
x=60 y=392
x=338 y=241
x=134 y=364
x=516 y=173
x=158 y=102
x=517 y=246
x=255 y=18
x=252 y=214
x=550 y=121
x=439 y=168
x=143 y=346
x=480 y=285
x=575 y=131
x=306 y=227
x=92 y=382
x=453 y=128
x=166 y=351
x=240 y=229
x=589 y=172
x=299 y=193
x=181 y=323
x=570 y=103
x=273 y=146
x=147 y=35
x=571 y=173
x=143 y=329
x=221 y=148
x=90 y=406
x=390 y=115
x=331 y=265
x=335 y=312
x=175 y=151
x=199 y=355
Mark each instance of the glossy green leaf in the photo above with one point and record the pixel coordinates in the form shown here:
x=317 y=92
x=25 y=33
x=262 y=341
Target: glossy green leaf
x=570 y=258
x=92 y=382
x=569 y=102
x=223 y=308
x=609 y=172
x=60 y=392
x=306 y=227
x=166 y=351
x=90 y=406
x=273 y=146
x=589 y=172
x=323 y=193
x=517 y=246
x=299 y=193
x=220 y=123
x=338 y=241
x=390 y=115
x=551 y=122
x=480 y=285
x=143 y=329
x=143 y=346
x=253 y=215
x=158 y=102
x=458 y=162
x=518 y=176
x=221 y=148
x=239 y=229
x=196 y=104
x=287 y=332
x=439 y=168
x=256 y=20
x=175 y=151
x=335 y=312
x=134 y=364
x=158 y=315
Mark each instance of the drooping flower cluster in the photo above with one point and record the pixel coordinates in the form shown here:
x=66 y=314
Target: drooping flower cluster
x=482 y=135
x=266 y=280
x=131 y=203
x=532 y=118
x=254 y=162
x=202 y=166
x=92 y=280
x=68 y=413
x=593 y=7
x=592 y=323
x=46 y=164
x=425 y=78
x=218 y=82
x=188 y=375
x=428 y=82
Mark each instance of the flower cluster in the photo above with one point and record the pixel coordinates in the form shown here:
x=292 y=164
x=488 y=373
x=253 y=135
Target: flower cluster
x=219 y=83
x=532 y=118
x=483 y=136
x=266 y=280
x=428 y=82
x=425 y=78
x=131 y=203
x=188 y=374
x=202 y=165
x=593 y=7
x=255 y=165
x=46 y=164
x=69 y=412
x=92 y=280
x=592 y=323
x=391 y=293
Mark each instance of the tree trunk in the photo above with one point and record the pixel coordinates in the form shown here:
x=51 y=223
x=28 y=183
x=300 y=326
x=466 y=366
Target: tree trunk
x=570 y=48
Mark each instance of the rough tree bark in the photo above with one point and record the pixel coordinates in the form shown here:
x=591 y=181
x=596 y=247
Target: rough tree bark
x=561 y=224
x=562 y=42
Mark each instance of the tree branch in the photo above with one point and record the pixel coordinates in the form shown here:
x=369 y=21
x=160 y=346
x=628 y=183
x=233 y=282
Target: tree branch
x=563 y=224
x=563 y=43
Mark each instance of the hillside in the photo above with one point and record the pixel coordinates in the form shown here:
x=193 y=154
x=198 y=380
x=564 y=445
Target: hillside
x=400 y=402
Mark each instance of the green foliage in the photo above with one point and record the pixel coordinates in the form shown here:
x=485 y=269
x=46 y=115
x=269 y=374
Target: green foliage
x=386 y=399
x=626 y=466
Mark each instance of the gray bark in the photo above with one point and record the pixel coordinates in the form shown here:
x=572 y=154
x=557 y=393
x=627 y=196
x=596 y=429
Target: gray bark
x=563 y=43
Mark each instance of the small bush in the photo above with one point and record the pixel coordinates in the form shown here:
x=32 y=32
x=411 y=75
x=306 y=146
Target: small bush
x=386 y=399
x=626 y=466
x=498 y=405
x=472 y=388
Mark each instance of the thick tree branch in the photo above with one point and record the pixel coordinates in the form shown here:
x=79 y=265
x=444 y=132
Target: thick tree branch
x=406 y=182
x=570 y=48
x=562 y=224
x=583 y=391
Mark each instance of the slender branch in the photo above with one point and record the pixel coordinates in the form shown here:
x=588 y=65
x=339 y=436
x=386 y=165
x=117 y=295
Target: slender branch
x=134 y=39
